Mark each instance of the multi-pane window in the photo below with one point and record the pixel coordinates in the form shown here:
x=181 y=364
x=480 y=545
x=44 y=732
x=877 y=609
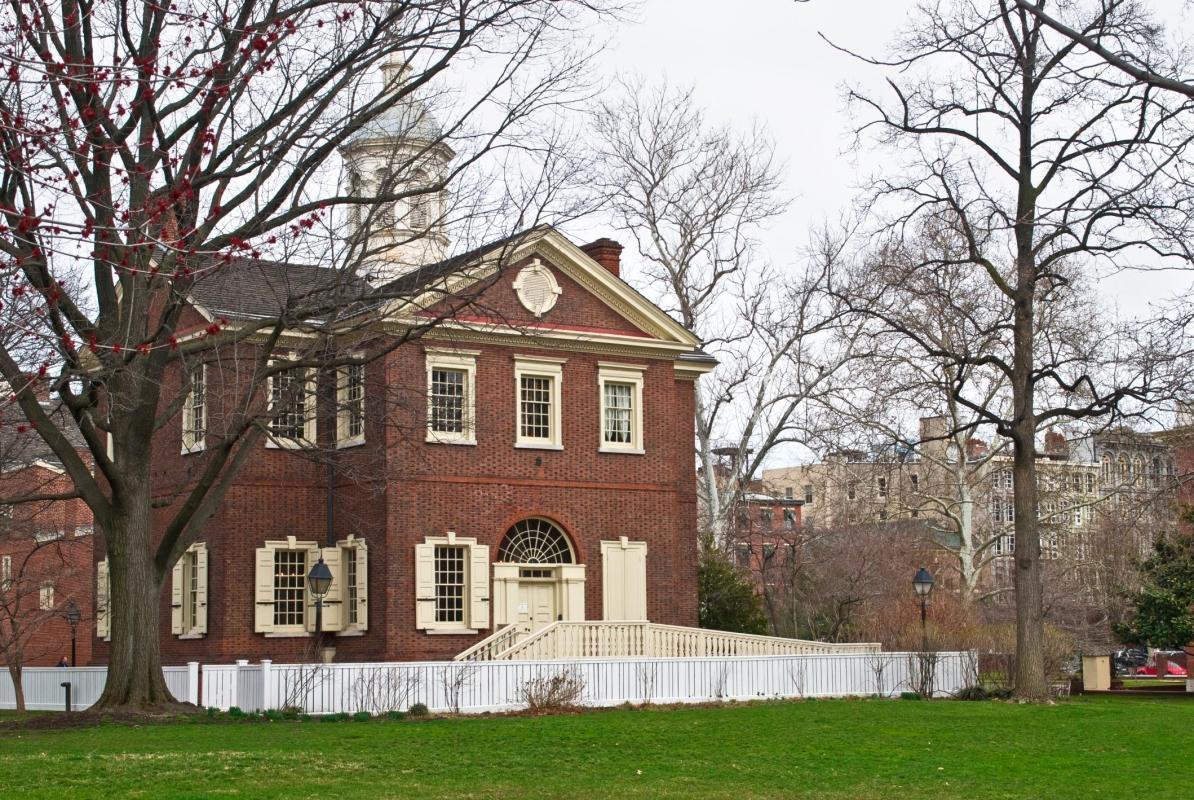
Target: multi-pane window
x=1003 y=509
x=190 y=590
x=1090 y=483
x=194 y=411
x=351 y=404
x=808 y=493
x=851 y=490
x=789 y=492
x=5 y=572
x=535 y=407
x=621 y=393
x=448 y=400
x=914 y=479
x=789 y=519
x=290 y=587
x=45 y=598
x=291 y=401
x=743 y=551
x=350 y=582
x=765 y=517
x=882 y=483
x=1005 y=545
x=617 y=409
x=449 y=583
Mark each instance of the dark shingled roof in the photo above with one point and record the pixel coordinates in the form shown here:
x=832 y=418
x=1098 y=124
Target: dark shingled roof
x=252 y=289
x=20 y=444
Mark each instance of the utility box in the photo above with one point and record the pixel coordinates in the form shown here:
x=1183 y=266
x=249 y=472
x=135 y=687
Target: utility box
x=1096 y=673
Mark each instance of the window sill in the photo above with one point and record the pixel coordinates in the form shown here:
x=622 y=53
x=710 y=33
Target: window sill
x=355 y=441
x=432 y=439
x=195 y=448
x=288 y=444
x=288 y=635
x=350 y=633
x=629 y=451
x=191 y=635
x=451 y=631
x=533 y=446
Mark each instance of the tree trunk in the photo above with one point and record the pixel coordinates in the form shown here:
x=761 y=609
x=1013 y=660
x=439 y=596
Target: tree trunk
x=14 y=672
x=135 y=681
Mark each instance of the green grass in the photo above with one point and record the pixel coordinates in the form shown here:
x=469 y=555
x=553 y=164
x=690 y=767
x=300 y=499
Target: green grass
x=1082 y=748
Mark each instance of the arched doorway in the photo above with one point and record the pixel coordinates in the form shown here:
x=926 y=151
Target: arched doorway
x=536 y=578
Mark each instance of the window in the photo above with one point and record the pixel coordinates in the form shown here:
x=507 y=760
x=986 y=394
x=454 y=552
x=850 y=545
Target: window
x=537 y=383
x=290 y=588
x=789 y=519
x=1106 y=468
x=1005 y=545
x=790 y=553
x=883 y=515
x=45 y=597
x=808 y=493
x=882 y=484
x=789 y=493
x=194 y=411
x=1077 y=482
x=765 y=517
x=621 y=396
x=1049 y=546
x=41 y=537
x=851 y=490
x=5 y=573
x=349 y=561
x=1003 y=509
x=768 y=552
x=188 y=593
x=743 y=551
x=352 y=603
x=451 y=584
x=1077 y=515
x=350 y=405
x=292 y=408
x=914 y=480
x=451 y=382
x=1090 y=483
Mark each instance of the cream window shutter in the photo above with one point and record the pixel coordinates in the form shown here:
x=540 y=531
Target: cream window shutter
x=200 y=590
x=176 y=581
x=478 y=579
x=361 y=554
x=333 y=601
x=424 y=586
x=573 y=576
x=103 y=621
x=263 y=618
x=505 y=594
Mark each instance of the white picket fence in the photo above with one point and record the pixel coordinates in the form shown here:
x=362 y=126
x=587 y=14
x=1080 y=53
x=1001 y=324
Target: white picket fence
x=478 y=686
x=44 y=690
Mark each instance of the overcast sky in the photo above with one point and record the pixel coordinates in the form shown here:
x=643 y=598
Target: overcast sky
x=765 y=60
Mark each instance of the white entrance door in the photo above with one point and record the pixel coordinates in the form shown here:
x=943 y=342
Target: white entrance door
x=536 y=604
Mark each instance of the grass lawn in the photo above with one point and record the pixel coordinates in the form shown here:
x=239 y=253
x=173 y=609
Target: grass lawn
x=1081 y=748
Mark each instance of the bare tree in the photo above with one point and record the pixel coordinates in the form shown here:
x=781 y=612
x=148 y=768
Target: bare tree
x=1048 y=166
x=149 y=149
x=695 y=195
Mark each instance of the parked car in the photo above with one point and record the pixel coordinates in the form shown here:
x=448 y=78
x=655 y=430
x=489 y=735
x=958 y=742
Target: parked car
x=1130 y=660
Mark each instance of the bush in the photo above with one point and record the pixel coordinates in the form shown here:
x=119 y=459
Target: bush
x=972 y=693
x=561 y=690
x=395 y=715
x=235 y=712
x=419 y=710
x=212 y=711
x=726 y=597
x=304 y=717
x=274 y=715
x=362 y=716
x=910 y=696
x=292 y=712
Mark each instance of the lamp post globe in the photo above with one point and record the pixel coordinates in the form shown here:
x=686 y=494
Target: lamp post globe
x=319 y=582
x=923 y=584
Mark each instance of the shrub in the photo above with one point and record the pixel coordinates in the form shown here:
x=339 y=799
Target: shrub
x=274 y=715
x=304 y=717
x=972 y=693
x=419 y=710
x=561 y=690
x=212 y=711
x=235 y=712
x=395 y=715
x=726 y=596
x=910 y=696
x=362 y=716
x=292 y=712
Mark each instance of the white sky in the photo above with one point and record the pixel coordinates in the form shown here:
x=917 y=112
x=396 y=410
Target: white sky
x=765 y=60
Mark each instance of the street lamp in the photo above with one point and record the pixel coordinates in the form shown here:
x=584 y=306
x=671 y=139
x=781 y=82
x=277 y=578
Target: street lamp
x=923 y=584
x=73 y=616
x=319 y=581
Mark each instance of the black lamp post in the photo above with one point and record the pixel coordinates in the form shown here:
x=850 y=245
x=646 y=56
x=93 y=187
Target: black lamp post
x=73 y=616
x=923 y=584
x=319 y=581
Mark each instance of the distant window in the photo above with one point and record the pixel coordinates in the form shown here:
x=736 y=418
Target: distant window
x=350 y=404
x=1005 y=545
x=788 y=492
x=292 y=407
x=451 y=406
x=882 y=483
x=45 y=597
x=743 y=552
x=194 y=411
x=1090 y=483
x=914 y=479
x=882 y=515
x=789 y=519
x=768 y=552
x=808 y=493
x=765 y=517
x=851 y=490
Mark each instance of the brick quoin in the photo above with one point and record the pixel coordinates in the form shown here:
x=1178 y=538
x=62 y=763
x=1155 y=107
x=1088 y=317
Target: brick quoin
x=397 y=488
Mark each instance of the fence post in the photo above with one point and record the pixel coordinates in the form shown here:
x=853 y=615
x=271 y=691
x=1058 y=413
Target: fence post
x=267 y=684
x=193 y=682
x=234 y=695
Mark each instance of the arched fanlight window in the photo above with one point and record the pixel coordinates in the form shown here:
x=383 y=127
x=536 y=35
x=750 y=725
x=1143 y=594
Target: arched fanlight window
x=1106 y=468
x=535 y=541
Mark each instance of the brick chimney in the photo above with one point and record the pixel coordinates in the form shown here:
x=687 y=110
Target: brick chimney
x=975 y=449
x=1056 y=445
x=607 y=253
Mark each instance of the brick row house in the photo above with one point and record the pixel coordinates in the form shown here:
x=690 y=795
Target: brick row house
x=528 y=458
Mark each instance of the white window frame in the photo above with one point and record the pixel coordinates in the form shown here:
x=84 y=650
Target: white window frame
x=270 y=628
x=459 y=361
x=5 y=573
x=274 y=440
x=624 y=374
x=476 y=592
x=45 y=596
x=343 y=412
x=194 y=435
x=188 y=588
x=353 y=551
x=539 y=367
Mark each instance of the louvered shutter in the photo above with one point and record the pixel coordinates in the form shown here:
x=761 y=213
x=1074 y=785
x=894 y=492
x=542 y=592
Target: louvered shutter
x=201 y=591
x=103 y=620
x=478 y=579
x=361 y=554
x=424 y=586
x=263 y=619
x=333 y=601
x=176 y=580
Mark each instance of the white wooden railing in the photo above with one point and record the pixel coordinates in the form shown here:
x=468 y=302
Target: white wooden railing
x=488 y=648
x=605 y=639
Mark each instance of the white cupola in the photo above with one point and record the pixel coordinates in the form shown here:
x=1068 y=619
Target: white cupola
x=400 y=149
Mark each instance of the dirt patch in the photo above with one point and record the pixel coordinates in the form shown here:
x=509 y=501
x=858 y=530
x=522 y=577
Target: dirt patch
x=90 y=719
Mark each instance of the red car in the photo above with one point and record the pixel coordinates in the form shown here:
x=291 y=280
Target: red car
x=1172 y=670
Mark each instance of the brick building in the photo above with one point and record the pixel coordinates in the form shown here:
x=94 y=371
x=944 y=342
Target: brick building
x=527 y=458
